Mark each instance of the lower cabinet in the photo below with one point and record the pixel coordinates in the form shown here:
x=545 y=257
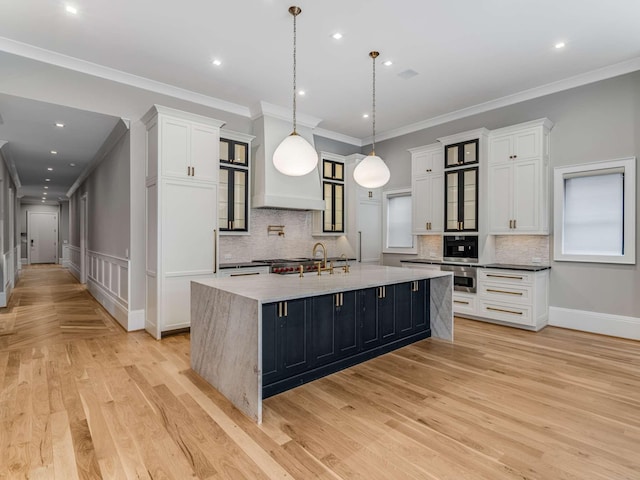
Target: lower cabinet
x=308 y=338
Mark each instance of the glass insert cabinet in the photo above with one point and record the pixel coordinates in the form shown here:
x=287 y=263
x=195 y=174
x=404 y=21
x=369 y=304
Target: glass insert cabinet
x=461 y=202
x=461 y=154
x=333 y=193
x=234 y=181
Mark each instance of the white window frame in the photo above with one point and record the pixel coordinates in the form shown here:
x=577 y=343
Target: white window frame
x=385 y=207
x=629 y=220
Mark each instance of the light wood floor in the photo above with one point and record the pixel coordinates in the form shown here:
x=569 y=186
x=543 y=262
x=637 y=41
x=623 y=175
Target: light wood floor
x=79 y=398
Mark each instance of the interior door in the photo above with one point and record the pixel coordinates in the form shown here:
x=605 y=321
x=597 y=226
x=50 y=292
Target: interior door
x=43 y=237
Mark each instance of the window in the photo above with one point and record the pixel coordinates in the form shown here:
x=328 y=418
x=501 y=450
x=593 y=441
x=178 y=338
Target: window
x=594 y=212
x=396 y=211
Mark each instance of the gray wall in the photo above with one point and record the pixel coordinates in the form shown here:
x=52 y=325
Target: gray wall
x=599 y=121
x=323 y=144
x=107 y=189
x=64 y=225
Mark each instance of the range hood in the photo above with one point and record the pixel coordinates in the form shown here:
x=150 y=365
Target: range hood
x=272 y=189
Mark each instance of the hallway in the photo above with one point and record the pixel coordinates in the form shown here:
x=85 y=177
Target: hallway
x=82 y=399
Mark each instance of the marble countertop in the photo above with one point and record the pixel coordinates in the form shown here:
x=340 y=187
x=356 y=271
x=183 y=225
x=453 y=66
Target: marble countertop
x=502 y=266
x=275 y=288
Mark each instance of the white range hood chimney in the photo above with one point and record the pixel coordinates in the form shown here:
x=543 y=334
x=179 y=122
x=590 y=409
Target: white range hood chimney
x=272 y=189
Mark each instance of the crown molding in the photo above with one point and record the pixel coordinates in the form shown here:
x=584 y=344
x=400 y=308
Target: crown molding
x=283 y=113
x=60 y=60
x=338 y=137
x=593 y=76
x=116 y=134
x=11 y=164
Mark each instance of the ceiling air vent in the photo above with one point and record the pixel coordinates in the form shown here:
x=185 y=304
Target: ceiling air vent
x=407 y=74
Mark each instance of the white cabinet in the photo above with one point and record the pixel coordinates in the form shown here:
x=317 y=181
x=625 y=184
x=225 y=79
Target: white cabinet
x=363 y=216
x=186 y=147
x=181 y=213
x=519 y=298
x=519 y=179
x=427 y=185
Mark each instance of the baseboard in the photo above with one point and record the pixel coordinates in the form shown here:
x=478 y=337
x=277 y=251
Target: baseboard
x=136 y=320
x=3 y=299
x=75 y=270
x=602 y=323
x=24 y=261
x=109 y=302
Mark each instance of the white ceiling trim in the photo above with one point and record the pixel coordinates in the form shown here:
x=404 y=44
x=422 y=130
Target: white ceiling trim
x=82 y=66
x=116 y=134
x=338 y=137
x=554 y=87
x=11 y=165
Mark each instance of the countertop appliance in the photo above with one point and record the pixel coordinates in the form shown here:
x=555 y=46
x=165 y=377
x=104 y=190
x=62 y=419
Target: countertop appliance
x=460 y=248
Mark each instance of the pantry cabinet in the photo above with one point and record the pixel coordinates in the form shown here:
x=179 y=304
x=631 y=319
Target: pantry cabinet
x=519 y=179
x=182 y=163
x=427 y=186
x=234 y=181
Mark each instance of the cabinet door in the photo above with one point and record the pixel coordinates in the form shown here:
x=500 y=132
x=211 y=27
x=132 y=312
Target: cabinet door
x=333 y=214
x=323 y=328
x=296 y=337
x=526 y=196
x=500 y=198
x=369 y=246
x=436 y=191
x=346 y=323
x=402 y=308
x=501 y=149
x=421 y=204
x=386 y=314
x=527 y=144
x=205 y=152
x=232 y=205
x=175 y=147
x=368 y=321
x=420 y=298
x=469 y=199
x=271 y=344
x=452 y=204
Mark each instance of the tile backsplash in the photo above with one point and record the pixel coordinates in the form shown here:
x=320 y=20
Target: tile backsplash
x=296 y=242
x=522 y=249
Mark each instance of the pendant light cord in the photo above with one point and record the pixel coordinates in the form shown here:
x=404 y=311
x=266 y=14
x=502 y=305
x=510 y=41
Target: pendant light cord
x=294 y=72
x=373 y=143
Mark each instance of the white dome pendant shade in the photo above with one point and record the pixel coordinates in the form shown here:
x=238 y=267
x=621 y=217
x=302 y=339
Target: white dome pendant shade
x=295 y=156
x=372 y=172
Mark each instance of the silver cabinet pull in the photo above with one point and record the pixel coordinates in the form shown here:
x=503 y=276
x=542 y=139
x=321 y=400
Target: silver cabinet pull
x=504 y=311
x=504 y=276
x=504 y=291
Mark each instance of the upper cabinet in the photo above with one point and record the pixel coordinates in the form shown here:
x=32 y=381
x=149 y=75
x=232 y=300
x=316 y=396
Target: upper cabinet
x=186 y=148
x=331 y=220
x=427 y=185
x=462 y=153
x=461 y=200
x=233 y=203
x=519 y=179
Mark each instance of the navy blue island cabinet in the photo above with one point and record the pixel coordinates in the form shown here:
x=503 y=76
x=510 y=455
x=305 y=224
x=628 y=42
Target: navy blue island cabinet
x=307 y=338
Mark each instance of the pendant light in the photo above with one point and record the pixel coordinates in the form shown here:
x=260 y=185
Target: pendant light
x=372 y=172
x=295 y=156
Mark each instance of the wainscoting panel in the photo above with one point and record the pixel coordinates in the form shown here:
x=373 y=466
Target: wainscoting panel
x=104 y=284
x=74 y=261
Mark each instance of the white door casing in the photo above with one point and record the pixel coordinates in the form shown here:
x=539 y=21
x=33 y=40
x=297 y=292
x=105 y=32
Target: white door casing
x=43 y=237
x=84 y=227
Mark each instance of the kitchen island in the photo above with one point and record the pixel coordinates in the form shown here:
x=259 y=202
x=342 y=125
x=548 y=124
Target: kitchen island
x=252 y=337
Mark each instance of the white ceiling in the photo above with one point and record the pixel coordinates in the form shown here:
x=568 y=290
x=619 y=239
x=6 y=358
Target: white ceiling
x=466 y=52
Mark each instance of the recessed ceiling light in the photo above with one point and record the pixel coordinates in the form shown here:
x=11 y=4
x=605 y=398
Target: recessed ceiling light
x=302 y=93
x=53 y=152
x=59 y=125
x=46 y=187
x=47 y=179
x=72 y=164
x=44 y=193
x=559 y=45
x=71 y=9
x=42 y=201
x=336 y=36
x=388 y=63
x=365 y=115
x=50 y=169
x=217 y=62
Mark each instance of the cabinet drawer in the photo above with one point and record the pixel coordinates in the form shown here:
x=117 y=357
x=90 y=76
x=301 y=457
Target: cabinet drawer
x=507 y=292
x=241 y=272
x=512 y=277
x=465 y=303
x=506 y=312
